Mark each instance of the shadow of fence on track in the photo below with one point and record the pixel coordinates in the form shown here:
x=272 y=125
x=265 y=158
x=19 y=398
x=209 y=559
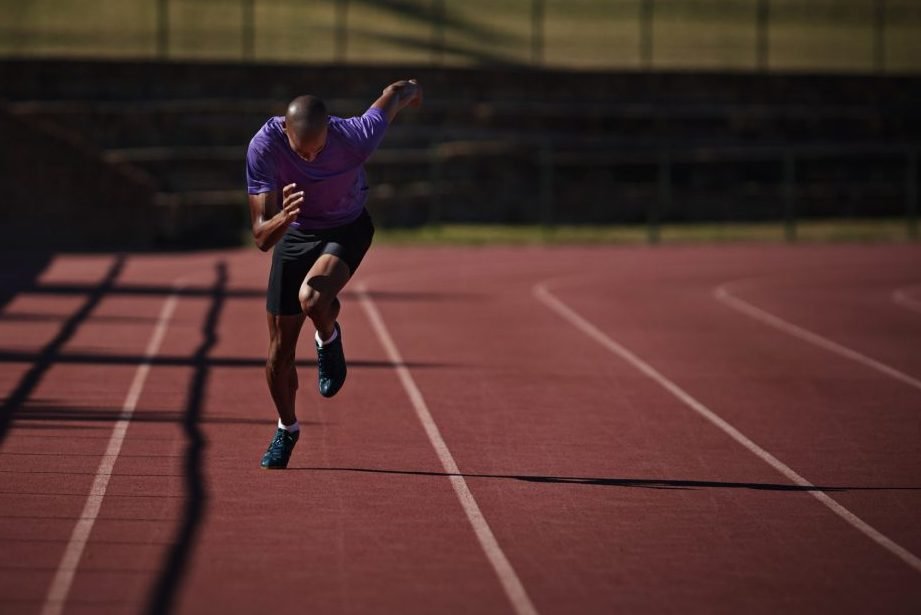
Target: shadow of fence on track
x=7 y=356
x=39 y=413
x=49 y=354
x=172 y=571
x=22 y=277
x=646 y=483
x=27 y=269
x=160 y=290
x=21 y=317
x=19 y=408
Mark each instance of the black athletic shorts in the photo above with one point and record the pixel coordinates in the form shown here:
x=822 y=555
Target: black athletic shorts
x=298 y=250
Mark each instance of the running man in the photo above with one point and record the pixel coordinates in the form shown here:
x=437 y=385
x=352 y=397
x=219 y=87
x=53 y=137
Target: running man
x=307 y=193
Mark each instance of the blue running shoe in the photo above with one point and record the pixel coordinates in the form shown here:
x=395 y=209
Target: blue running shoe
x=279 y=451
x=331 y=366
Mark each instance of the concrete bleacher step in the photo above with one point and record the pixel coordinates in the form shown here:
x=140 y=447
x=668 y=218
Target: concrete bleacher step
x=182 y=169
x=487 y=141
x=133 y=81
x=228 y=122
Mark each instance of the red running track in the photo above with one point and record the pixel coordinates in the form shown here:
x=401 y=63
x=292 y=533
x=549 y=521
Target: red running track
x=567 y=430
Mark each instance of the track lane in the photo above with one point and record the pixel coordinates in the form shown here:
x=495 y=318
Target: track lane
x=563 y=450
x=904 y=297
x=55 y=447
x=850 y=412
x=148 y=480
x=558 y=424
x=317 y=537
x=850 y=308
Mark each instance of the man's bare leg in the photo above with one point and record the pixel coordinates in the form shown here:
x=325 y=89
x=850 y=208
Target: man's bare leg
x=318 y=296
x=280 y=370
x=319 y=292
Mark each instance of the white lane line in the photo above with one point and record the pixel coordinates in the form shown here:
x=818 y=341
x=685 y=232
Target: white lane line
x=900 y=297
x=580 y=323
x=507 y=576
x=67 y=568
x=723 y=295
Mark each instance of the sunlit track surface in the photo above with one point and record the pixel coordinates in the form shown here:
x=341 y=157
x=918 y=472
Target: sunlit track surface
x=599 y=490
x=902 y=296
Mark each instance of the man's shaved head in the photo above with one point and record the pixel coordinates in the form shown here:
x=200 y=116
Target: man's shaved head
x=306 y=117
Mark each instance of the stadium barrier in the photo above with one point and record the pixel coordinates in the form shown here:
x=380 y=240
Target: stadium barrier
x=749 y=35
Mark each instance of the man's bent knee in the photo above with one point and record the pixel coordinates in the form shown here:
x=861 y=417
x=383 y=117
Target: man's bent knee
x=316 y=305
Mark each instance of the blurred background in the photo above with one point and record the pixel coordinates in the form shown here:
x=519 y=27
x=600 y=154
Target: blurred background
x=125 y=122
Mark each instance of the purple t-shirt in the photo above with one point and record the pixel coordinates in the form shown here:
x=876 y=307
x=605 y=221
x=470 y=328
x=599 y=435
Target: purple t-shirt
x=334 y=185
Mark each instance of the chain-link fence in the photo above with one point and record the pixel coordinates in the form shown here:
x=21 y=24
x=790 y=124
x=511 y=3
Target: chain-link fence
x=820 y=35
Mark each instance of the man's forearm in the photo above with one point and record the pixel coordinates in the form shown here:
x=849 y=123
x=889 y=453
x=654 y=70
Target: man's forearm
x=268 y=232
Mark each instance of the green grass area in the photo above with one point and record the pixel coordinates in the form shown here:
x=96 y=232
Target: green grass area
x=834 y=35
x=882 y=230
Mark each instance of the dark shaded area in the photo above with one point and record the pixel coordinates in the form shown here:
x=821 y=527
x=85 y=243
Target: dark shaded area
x=51 y=351
x=181 y=361
x=499 y=143
x=141 y=290
x=172 y=571
x=24 y=317
x=89 y=203
x=57 y=414
x=646 y=483
x=19 y=271
x=159 y=290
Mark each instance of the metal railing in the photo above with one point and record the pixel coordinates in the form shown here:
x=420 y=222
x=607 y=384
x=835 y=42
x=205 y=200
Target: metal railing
x=788 y=158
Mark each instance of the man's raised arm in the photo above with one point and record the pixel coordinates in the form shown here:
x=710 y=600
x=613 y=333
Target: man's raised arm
x=398 y=95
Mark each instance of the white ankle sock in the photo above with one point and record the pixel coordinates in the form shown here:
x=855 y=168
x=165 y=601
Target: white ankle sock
x=295 y=426
x=331 y=339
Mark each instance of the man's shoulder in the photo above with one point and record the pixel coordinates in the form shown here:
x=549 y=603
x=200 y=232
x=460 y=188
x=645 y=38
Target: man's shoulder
x=360 y=131
x=267 y=136
x=342 y=133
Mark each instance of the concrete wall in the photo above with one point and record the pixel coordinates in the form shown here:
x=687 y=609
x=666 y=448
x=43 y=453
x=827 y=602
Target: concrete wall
x=58 y=194
x=137 y=80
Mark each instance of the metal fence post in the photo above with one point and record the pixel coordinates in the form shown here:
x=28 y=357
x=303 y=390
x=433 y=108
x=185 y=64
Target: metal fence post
x=162 y=29
x=247 y=29
x=789 y=194
x=436 y=173
x=662 y=203
x=545 y=198
x=342 y=16
x=762 y=28
x=647 y=8
x=438 y=31
x=879 y=40
x=911 y=194
x=537 y=32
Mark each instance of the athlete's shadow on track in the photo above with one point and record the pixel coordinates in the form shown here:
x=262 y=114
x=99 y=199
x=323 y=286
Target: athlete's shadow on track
x=646 y=483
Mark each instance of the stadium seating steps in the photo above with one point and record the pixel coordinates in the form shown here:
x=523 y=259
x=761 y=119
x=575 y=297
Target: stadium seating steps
x=485 y=137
